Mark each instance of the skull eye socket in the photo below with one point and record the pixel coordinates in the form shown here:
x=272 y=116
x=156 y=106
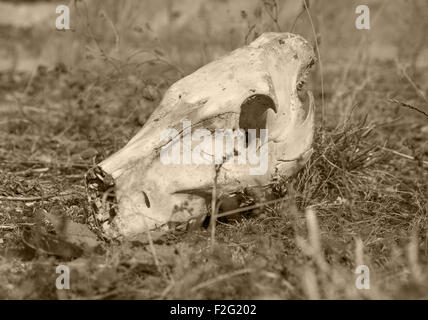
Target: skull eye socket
x=254 y=113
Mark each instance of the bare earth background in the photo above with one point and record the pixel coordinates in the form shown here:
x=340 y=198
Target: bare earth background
x=69 y=99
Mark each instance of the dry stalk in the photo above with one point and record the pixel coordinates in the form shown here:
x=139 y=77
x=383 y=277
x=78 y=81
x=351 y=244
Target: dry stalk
x=406 y=105
x=214 y=206
x=319 y=61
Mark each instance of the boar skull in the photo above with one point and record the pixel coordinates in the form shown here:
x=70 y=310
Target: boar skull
x=254 y=87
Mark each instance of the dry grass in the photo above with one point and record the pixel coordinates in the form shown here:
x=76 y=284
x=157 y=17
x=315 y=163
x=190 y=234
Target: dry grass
x=361 y=199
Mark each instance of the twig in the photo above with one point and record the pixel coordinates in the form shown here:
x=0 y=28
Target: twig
x=113 y=27
x=165 y=62
x=274 y=14
x=214 y=205
x=31 y=199
x=319 y=61
x=24 y=199
x=7 y=227
x=48 y=164
x=302 y=10
x=138 y=52
x=412 y=83
x=152 y=248
x=250 y=29
x=11 y=227
x=167 y=290
x=406 y=105
x=406 y=156
x=105 y=56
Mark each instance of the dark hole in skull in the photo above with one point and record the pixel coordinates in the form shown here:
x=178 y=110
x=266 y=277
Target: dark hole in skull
x=254 y=114
x=146 y=199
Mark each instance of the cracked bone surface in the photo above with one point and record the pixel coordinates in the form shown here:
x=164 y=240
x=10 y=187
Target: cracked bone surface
x=255 y=87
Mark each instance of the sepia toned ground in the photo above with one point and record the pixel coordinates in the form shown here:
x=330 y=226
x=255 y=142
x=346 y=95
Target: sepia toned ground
x=69 y=99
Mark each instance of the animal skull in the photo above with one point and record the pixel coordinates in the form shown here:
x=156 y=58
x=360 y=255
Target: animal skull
x=254 y=87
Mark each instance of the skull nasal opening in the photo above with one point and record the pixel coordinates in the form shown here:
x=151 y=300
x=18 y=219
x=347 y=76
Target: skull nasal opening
x=254 y=113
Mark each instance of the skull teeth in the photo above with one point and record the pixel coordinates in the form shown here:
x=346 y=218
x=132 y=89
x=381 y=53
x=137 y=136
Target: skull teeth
x=100 y=190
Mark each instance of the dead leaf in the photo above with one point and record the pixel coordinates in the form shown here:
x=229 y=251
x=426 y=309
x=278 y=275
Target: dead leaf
x=73 y=232
x=45 y=243
x=88 y=153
